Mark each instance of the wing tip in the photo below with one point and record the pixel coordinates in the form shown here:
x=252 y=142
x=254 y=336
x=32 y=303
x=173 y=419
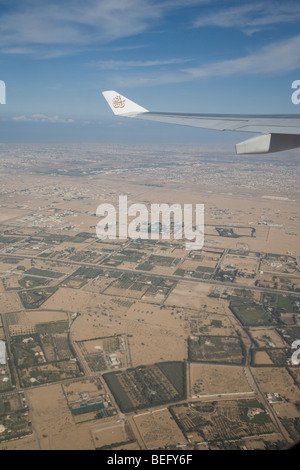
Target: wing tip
x=120 y=105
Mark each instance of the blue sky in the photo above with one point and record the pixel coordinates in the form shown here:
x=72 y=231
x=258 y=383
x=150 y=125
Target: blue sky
x=168 y=55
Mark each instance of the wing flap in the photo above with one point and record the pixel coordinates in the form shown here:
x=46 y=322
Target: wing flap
x=266 y=125
x=204 y=122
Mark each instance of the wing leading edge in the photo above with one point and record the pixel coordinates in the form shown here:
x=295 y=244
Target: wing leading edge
x=278 y=132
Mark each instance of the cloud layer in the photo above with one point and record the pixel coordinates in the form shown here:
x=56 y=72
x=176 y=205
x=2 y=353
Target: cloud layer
x=41 y=118
x=275 y=58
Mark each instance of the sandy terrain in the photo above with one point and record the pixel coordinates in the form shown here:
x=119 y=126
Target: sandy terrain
x=216 y=380
x=149 y=344
x=10 y=302
x=267 y=337
x=53 y=421
x=276 y=380
x=158 y=428
x=45 y=212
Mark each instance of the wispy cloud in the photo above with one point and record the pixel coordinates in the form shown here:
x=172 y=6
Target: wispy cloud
x=58 y=28
x=275 y=58
x=74 y=23
x=55 y=29
x=17 y=50
x=41 y=118
x=252 y=17
x=123 y=64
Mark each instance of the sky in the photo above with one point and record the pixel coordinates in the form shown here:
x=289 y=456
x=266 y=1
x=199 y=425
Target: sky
x=205 y=56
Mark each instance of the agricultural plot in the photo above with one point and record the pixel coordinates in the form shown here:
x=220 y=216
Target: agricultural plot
x=36 y=297
x=11 y=282
x=27 y=351
x=56 y=346
x=277 y=380
x=104 y=353
x=243 y=267
x=88 y=400
x=47 y=373
x=272 y=356
x=247 y=264
x=5 y=380
x=99 y=284
x=128 y=285
x=267 y=337
x=203 y=272
x=145 y=266
x=163 y=260
x=156 y=294
x=141 y=286
x=45 y=355
x=228 y=232
x=87 y=256
x=81 y=276
x=279 y=264
x=289 y=334
x=206 y=257
x=221 y=421
x=44 y=273
x=127 y=258
x=147 y=386
x=34 y=321
x=221 y=349
x=281 y=304
x=192 y=267
x=280 y=356
x=251 y=314
x=292 y=425
x=259 y=358
x=29 y=282
x=157 y=264
x=14 y=418
x=56 y=239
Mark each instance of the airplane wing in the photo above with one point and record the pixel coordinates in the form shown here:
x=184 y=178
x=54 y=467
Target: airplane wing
x=277 y=132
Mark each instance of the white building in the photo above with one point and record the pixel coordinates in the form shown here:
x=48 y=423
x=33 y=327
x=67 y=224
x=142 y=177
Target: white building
x=2 y=353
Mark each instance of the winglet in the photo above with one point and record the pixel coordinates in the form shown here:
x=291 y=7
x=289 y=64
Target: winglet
x=121 y=105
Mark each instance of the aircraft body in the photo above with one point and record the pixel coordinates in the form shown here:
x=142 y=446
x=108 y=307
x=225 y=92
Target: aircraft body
x=277 y=132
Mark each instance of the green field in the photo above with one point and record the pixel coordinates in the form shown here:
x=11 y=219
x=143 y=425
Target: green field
x=36 y=297
x=44 y=273
x=251 y=314
x=28 y=282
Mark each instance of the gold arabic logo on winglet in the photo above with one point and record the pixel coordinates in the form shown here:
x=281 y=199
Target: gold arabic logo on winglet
x=118 y=102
